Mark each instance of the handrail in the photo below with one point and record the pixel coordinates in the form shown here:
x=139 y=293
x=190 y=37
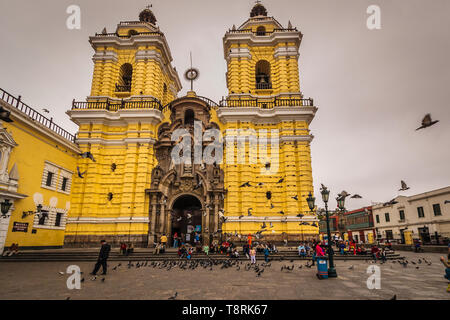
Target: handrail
x=117 y=105
x=265 y=32
x=34 y=115
x=265 y=103
x=115 y=34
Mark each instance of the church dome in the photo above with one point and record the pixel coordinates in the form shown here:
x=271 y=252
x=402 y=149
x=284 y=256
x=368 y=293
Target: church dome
x=258 y=10
x=147 y=16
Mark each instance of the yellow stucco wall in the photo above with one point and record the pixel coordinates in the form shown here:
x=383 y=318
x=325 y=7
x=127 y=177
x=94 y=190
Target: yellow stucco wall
x=34 y=148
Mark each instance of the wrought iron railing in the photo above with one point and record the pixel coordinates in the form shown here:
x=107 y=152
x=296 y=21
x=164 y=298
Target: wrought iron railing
x=264 y=85
x=267 y=104
x=34 y=115
x=114 y=105
x=211 y=103
x=265 y=33
x=155 y=33
x=123 y=88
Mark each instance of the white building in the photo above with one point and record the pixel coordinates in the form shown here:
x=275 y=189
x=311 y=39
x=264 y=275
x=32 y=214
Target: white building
x=425 y=216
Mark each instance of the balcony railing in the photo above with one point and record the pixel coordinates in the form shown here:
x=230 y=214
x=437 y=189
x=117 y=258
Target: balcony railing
x=155 y=33
x=264 y=86
x=36 y=116
x=123 y=88
x=267 y=104
x=114 y=105
x=266 y=33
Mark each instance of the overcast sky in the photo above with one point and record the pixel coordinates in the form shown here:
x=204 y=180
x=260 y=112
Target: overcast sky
x=372 y=87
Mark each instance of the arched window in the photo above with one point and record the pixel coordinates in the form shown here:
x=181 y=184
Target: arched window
x=125 y=76
x=262 y=71
x=261 y=31
x=189 y=117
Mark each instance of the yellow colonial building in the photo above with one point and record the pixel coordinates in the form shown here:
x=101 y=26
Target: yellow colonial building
x=37 y=161
x=146 y=162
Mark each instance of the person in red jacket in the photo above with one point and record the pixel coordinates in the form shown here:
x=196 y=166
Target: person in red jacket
x=319 y=250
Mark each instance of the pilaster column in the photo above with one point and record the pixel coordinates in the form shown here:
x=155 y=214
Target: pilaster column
x=216 y=212
x=151 y=238
x=162 y=216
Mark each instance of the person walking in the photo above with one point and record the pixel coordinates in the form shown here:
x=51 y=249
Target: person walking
x=252 y=256
x=123 y=248
x=175 y=240
x=266 y=254
x=102 y=258
x=447 y=268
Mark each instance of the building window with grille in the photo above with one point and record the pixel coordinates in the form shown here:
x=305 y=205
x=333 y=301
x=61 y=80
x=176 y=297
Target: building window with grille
x=386 y=216
x=402 y=215
x=49 y=180
x=43 y=216
x=389 y=235
x=437 y=209
x=58 y=219
x=377 y=217
x=420 y=212
x=64 y=183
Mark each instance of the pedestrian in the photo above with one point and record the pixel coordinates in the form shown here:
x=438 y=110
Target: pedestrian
x=266 y=254
x=175 y=240
x=252 y=256
x=123 y=248
x=206 y=249
x=102 y=258
x=157 y=248
x=130 y=248
x=375 y=252
x=383 y=254
x=249 y=240
x=447 y=269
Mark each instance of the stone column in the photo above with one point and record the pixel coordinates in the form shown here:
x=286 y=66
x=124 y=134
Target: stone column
x=206 y=225
x=162 y=216
x=216 y=212
x=151 y=233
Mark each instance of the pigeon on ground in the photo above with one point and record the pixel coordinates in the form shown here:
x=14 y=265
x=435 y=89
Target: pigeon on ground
x=174 y=296
x=427 y=122
x=394 y=297
x=351 y=267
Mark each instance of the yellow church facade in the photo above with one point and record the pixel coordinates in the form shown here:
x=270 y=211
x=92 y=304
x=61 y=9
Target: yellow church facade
x=135 y=192
x=127 y=183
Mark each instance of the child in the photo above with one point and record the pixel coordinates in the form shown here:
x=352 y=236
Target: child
x=253 y=256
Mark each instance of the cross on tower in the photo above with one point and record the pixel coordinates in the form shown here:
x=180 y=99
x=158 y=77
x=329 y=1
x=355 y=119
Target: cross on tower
x=258 y=1
x=148 y=7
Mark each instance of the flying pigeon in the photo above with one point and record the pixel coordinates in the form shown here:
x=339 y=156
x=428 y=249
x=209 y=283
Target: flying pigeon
x=45 y=110
x=404 y=186
x=271 y=205
x=344 y=194
x=295 y=197
x=356 y=196
x=249 y=211
x=199 y=183
x=80 y=174
x=281 y=180
x=269 y=195
x=247 y=184
x=281 y=212
x=427 y=122
x=87 y=155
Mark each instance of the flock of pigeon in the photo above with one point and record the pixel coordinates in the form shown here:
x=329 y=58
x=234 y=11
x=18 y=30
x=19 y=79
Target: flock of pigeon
x=238 y=265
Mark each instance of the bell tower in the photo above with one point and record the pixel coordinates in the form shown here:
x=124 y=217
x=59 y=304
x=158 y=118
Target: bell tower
x=265 y=107
x=133 y=62
x=262 y=57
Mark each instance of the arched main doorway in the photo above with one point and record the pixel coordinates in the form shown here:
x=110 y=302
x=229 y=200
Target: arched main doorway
x=187 y=217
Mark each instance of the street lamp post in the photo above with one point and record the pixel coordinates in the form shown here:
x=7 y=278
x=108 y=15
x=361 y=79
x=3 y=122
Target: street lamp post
x=331 y=270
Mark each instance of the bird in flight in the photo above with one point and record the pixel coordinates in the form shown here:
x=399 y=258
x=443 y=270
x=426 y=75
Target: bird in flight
x=87 y=155
x=295 y=197
x=247 y=184
x=344 y=194
x=427 y=122
x=281 y=212
x=199 y=183
x=404 y=186
x=356 y=196
x=80 y=174
x=249 y=211
x=446 y=201
x=281 y=180
x=45 y=110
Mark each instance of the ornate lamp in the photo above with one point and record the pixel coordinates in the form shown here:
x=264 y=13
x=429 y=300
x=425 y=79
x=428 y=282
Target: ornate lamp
x=325 y=194
x=311 y=202
x=341 y=202
x=5 y=206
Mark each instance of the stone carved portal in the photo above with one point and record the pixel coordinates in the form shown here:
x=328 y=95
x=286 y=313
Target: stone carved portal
x=182 y=196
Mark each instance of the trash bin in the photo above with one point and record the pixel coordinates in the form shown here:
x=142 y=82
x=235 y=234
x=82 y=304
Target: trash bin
x=322 y=267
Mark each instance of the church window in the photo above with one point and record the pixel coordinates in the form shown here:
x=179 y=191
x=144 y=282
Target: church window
x=261 y=31
x=125 y=76
x=263 y=75
x=189 y=117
